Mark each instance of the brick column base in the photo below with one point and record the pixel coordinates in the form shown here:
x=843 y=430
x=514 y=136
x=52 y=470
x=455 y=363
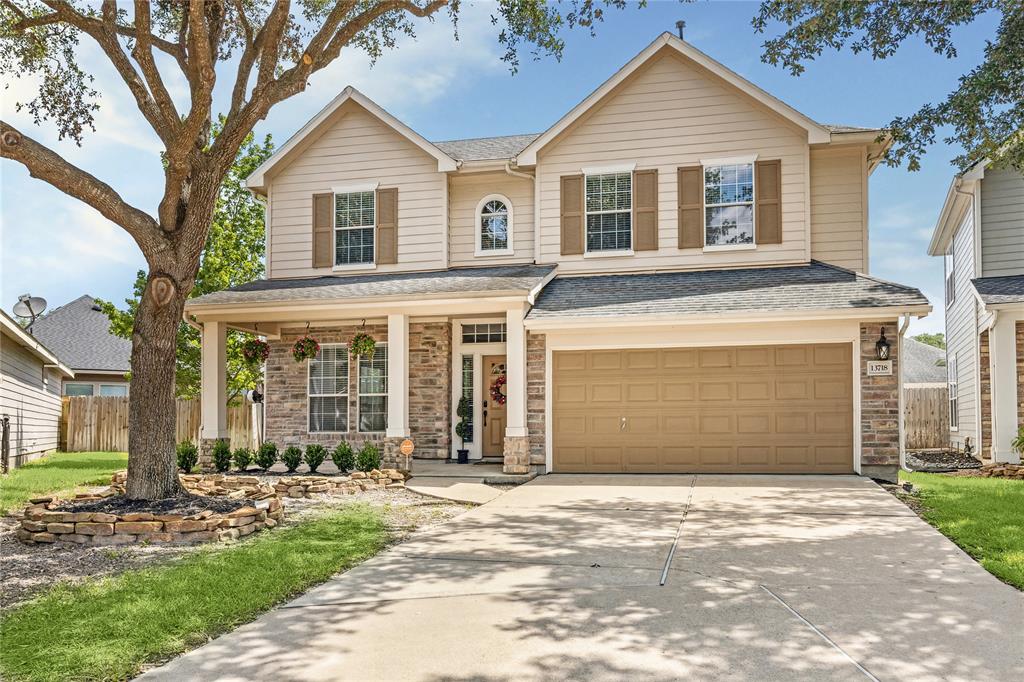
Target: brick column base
x=390 y=454
x=206 y=454
x=517 y=455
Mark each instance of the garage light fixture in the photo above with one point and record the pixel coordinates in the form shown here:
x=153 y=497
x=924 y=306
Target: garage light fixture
x=882 y=346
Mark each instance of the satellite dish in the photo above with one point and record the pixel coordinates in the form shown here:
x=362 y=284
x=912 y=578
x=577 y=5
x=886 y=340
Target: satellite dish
x=29 y=307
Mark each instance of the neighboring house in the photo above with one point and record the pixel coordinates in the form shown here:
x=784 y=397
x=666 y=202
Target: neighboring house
x=672 y=278
x=30 y=377
x=980 y=234
x=79 y=332
x=923 y=364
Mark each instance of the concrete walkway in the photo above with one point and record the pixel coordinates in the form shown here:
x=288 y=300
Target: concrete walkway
x=566 y=577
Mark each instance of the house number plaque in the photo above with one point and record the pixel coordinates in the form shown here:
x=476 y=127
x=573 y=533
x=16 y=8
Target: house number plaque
x=878 y=368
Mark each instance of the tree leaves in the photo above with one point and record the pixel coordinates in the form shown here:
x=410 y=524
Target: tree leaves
x=985 y=112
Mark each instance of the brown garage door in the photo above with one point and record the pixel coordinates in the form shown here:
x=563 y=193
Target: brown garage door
x=752 y=409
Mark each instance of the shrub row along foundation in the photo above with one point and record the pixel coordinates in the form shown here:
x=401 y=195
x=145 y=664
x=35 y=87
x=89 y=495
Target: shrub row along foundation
x=43 y=524
x=307 y=486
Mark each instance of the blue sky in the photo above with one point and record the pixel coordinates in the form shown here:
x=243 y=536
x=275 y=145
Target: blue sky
x=55 y=247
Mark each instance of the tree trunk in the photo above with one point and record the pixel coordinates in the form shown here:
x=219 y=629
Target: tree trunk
x=152 y=465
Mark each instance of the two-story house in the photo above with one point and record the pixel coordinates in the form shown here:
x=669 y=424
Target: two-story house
x=980 y=235
x=671 y=278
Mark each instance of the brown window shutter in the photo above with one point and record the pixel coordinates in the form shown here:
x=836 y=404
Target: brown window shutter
x=768 y=198
x=572 y=215
x=645 y=210
x=323 y=230
x=387 y=225
x=691 y=207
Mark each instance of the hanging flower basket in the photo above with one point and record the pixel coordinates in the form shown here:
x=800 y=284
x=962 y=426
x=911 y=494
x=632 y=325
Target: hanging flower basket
x=305 y=348
x=255 y=351
x=497 y=396
x=362 y=345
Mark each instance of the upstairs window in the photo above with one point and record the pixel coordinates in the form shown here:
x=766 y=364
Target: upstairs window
x=950 y=265
x=494 y=226
x=354 y=223
x=609 y=209
x=729 y=204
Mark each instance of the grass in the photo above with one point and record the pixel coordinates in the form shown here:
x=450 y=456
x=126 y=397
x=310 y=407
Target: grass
x=984 y=516
x=107 y=629
x=58 y=473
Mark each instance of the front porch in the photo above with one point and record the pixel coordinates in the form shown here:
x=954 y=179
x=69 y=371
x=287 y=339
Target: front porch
x=423 y=365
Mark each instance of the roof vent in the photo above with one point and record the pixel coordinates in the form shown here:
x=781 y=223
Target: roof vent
x=680 y=25
x=97 y=308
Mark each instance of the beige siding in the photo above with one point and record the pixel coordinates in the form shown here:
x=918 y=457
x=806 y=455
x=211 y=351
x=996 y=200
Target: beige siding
x=839 y=207
x=961 y=330
x=30 y=396
x=1002 y=223
x=672 y=113
x=465 y=193
x=358 y=148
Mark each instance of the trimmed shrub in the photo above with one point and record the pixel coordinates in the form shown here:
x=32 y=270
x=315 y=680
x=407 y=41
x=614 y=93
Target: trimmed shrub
x=188 y=455
x=315 y=456
x=292 y=457
x=242 y=458
x=221 y=456
x=344 y=457
x=368 y=458
x=266 y=456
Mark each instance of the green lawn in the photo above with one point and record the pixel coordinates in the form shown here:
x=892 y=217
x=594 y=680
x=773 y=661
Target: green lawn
x=59 y=472
x=106 y=629
x=984 y=516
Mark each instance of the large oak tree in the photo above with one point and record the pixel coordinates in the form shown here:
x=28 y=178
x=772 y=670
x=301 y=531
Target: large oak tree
x=268 y=50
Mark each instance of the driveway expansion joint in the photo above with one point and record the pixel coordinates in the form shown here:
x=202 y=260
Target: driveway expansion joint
x=679 y=530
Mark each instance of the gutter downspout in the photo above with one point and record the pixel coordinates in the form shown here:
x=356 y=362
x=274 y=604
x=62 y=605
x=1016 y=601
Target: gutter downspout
x=899 y=380
x=536 y=204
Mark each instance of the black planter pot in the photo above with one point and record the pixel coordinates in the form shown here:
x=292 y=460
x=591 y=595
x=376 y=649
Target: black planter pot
x=463 y=456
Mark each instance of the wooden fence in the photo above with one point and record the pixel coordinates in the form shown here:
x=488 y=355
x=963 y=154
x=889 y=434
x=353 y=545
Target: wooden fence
x=95 y=424
x=926 y=411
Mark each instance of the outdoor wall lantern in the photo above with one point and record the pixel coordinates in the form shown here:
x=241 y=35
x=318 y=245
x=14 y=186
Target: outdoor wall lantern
x=882 y=346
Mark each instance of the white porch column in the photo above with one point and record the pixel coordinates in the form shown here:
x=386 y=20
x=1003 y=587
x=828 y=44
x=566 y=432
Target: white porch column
x=515 y=374
x=213 y=384
x=1003 y=359
x=398 y=376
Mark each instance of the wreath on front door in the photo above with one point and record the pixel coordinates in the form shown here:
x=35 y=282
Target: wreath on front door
x=496 y=395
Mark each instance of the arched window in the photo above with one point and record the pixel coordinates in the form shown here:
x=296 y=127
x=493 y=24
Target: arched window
x=494 y=226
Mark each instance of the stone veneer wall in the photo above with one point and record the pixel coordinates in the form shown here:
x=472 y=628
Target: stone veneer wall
x=535 y=396
x=985 y=389
x=286 y=401
x=1020 y=373
x=879 y=406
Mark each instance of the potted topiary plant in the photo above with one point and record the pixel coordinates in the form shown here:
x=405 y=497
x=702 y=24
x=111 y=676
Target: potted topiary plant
x=464 y=429
x=305 y=348
x=362 y=345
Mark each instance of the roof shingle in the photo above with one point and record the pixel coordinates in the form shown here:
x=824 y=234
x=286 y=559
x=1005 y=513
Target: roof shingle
x=79 y=334
x=921 y=363
x=452 y=281
x=817 y=286
x=996 y=290
x=485 y=148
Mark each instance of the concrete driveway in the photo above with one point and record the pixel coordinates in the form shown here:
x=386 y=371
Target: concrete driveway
x=772 y=578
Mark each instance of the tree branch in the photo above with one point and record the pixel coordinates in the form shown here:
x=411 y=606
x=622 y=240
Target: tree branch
x=50 y=167
x=144 y=56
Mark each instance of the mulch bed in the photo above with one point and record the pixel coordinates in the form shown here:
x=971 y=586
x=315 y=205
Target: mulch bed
x=183 y=505
x=939 y=461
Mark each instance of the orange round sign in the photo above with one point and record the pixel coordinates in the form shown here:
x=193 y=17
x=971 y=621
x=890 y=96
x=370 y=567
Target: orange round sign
x=406 y=447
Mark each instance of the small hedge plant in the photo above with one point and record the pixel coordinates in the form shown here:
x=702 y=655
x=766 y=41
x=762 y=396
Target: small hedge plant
x=188 y=455
x=315 y=456
x=368 y=458
x=292 y=457
x=221 y=456
x=344 y=457
x=266 y=456
x=242 y=458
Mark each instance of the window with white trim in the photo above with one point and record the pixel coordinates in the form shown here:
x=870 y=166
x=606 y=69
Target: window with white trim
x=79 y=389
x=355 y=217
x=609 y=209
x=488 y=332
x=494 y=225
x=729 y=204
x=328 y=389
x=373 y=391
x=953 y=387
x=950 y=265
